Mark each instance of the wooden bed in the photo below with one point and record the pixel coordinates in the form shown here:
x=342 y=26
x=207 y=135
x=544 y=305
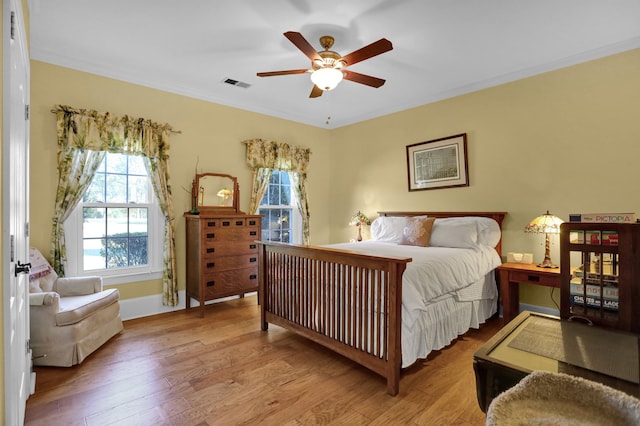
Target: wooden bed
x=347 y=301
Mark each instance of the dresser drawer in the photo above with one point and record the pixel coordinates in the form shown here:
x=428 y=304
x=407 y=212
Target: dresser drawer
x=218 y=223
x=215 y=263
x=231 y=234
x=220 y=284
x=228 y=248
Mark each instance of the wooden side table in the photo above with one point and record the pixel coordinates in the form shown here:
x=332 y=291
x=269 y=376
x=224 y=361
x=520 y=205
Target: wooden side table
x=512 y=274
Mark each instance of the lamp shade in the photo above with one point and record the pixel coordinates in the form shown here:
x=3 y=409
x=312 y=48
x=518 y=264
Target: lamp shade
x=545 y=224
x=359 y=219
x=326 y=78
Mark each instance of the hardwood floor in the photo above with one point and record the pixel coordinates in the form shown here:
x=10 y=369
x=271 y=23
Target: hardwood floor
x=179 y=369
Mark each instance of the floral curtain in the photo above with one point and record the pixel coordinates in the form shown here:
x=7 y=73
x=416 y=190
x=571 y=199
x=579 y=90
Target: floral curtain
x=83 y=138
x=264 y=156
x=261 y=178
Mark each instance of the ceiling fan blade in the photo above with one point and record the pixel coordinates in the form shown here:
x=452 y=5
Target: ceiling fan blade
x=315 y=92
x=363 y=78
x=302 y=44
x=285 y=72
x=369 y=51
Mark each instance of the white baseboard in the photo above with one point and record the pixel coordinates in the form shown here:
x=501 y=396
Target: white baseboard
x=152 y=305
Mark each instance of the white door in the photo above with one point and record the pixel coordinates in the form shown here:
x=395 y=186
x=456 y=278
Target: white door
x=18 y=376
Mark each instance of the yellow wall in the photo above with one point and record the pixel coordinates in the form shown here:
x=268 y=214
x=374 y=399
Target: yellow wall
x=547 y=142
x=211 y=134
x=567 y=141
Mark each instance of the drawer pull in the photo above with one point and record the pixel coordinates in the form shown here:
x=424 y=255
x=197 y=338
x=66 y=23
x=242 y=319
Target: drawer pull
x=211 y=235
x=211 y=265
x=211 y=249
x=533 y=278
x=252 y=260
x=211 y=283
x=211 y=224
x=253 y=233
x=252 y=246
x=238 y=223
x=252 y=222
x=253 y=276
x=226 y=223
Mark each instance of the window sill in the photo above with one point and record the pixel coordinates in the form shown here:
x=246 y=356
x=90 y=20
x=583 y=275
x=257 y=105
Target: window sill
x=131 y=278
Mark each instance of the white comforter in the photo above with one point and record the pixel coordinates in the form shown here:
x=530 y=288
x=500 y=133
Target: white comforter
x=434 y=272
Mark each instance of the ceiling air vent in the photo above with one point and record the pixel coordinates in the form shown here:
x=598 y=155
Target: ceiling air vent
x=236 y=83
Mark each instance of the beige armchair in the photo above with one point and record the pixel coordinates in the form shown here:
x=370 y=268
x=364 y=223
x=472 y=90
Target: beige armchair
x=70 y=317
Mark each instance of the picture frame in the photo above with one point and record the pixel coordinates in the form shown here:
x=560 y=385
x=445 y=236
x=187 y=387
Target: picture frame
x=438 y=163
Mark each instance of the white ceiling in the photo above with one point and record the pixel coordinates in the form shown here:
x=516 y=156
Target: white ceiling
x=441 y=48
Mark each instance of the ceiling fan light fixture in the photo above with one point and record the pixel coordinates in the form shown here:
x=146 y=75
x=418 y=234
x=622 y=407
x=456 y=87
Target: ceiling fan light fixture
x=326 y=78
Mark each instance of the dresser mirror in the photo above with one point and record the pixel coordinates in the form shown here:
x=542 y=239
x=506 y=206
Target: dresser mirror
x=215 y=192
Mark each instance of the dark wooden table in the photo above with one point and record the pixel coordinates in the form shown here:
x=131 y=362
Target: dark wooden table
x=498 y=366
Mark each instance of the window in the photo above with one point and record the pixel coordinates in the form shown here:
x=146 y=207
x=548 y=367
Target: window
x=281 y=219
x=116 y=230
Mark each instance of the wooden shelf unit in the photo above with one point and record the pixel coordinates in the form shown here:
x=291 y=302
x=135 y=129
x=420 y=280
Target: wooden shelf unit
x=599 y=273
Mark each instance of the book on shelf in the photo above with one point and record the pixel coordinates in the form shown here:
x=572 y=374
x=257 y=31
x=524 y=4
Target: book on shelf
x=594 y=277
x=594 y=291
x=605 y=238
x=603 y=217
x=594 y=302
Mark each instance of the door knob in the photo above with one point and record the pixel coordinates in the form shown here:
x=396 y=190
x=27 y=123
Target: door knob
x=22 y=268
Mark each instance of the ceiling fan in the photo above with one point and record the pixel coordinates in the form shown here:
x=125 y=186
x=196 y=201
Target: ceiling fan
x=328 y=68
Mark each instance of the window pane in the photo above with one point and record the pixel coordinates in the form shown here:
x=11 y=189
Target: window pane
x=117 y=221
x=138 y=221
x=117 y=252
x=276 y=225
x=138 y=189
x=136 y=165
x=275 y=178
x=94 y=222
x=285 y=226
x=116 y=163
x=95 y=192
x=93 y=254
x=138 y=252
x=274 y=195
x=285 y=196
x=116 y=188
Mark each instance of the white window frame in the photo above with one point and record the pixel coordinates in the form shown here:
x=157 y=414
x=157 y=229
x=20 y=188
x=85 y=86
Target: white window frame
x=155 y=231
x=296 y=217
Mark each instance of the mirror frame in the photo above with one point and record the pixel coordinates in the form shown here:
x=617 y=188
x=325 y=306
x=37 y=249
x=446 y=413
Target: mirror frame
x=199 y=209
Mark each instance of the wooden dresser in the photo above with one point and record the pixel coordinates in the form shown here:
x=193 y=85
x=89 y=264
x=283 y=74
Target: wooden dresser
x=222 y=256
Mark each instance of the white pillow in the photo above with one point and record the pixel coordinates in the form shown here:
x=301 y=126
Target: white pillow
x=462 y=232
x=448 y=232
x=387 y=229
x=488 y=231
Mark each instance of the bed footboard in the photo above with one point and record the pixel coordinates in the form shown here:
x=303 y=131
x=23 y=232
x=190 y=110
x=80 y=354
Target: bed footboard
x=346 y=301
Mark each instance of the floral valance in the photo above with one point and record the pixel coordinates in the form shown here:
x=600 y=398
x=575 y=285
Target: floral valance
x=277 y=156
x=87 y=129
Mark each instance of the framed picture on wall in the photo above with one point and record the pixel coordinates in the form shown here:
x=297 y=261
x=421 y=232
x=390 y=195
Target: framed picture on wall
x=439 y=163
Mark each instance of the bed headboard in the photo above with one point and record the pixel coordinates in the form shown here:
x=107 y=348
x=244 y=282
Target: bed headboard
x=497 y=216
